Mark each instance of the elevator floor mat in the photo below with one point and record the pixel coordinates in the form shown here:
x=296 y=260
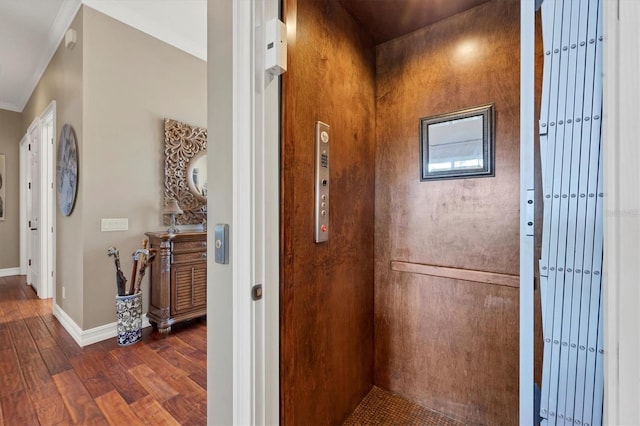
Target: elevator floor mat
x=381 y=407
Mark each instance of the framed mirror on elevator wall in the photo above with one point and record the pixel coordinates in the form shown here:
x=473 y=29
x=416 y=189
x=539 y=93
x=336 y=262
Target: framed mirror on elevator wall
x=457 y=144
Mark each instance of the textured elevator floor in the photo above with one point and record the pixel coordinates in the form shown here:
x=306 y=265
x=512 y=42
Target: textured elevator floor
x=381 y=407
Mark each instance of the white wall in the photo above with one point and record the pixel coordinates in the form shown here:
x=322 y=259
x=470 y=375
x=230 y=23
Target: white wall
x=622 y=212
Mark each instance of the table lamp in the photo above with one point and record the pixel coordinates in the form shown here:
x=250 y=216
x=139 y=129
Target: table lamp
x=171 y=207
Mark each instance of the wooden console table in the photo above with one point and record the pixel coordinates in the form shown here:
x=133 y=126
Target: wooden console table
x=178 y=278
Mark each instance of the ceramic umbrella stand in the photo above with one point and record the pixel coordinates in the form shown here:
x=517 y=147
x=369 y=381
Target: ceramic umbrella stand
x=129 y=311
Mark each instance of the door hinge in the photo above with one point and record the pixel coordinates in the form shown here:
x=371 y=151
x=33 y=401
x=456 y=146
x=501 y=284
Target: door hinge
x=29 y=147
x=29 y=262
x=29 y=185
x=29 y=224
x=256 y=292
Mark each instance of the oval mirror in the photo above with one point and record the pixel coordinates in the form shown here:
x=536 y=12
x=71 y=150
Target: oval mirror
x=197 y=175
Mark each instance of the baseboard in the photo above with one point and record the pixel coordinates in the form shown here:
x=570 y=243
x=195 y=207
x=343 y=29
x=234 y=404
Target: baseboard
x=92 y=335
x=8 y=272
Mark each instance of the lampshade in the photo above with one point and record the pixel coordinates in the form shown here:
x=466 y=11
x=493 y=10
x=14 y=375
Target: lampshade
x=171 y=207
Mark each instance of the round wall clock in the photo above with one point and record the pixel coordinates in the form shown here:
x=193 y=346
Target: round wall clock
x=67 y=170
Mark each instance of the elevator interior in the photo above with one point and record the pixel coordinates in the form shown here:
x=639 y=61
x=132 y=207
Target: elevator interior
x=393 y=297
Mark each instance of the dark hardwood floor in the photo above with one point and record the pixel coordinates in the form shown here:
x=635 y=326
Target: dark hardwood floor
x=47 y=379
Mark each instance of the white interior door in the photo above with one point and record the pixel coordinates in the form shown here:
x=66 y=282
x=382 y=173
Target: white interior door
x=33 y=209
x=37 y=209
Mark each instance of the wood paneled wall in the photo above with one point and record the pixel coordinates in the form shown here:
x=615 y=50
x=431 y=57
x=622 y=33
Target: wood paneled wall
x=327 y=288
x=448 y=344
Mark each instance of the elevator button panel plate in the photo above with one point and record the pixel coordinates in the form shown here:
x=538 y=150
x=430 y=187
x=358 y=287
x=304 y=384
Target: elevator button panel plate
x=322 y=142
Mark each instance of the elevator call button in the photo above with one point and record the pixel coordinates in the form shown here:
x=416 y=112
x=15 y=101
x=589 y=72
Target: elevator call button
x=323 y=151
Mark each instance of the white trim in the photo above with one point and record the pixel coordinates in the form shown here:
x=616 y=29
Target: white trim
x=610 y=271
x=8 y=272
x=92 y=335
x=270 y=256
x=622 y=212
x=243 y=211
x=265 y=238
x=11 y=107
x=69 y=324
x=271 y=232
x=220 y=280
x=48 y=197
x=132 y=14
x=24 y=142
x=63 y=20
x=527 y=128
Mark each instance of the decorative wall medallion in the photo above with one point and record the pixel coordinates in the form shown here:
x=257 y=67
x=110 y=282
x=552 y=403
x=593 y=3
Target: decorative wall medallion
x=67 y=170
x=184 y=148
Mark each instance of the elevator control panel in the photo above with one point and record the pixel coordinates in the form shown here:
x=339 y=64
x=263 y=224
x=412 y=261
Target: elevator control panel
x=323 y=140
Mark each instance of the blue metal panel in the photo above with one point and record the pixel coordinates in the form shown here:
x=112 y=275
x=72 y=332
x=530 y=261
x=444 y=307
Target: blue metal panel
x=571 y=258
x=574 y=282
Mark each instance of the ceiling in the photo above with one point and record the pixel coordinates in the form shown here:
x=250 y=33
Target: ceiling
x=388 y=19
x=31 y=30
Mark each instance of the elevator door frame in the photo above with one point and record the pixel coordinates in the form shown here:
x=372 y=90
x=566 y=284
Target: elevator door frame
x=527 y=128
x=244 y=122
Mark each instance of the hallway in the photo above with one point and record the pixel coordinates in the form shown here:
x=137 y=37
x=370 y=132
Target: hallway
x=46 y=378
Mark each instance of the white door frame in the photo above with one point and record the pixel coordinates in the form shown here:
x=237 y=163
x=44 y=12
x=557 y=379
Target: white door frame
x=265 y=241
x=24 y=143
x=527 y=129
x=622 y=212
x=243 y=345
x=47 y=199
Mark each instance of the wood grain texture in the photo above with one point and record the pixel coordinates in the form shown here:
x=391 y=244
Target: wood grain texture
x=153 y=383
x=10 y=378
x=91 y=368
x=466 y=60
x=446 y=344
x=183 y=411
x=388 y=19
x=51 y=410
x=116 y=410
x=178 y=278
x=449 y=345
x=152 y=413
x=79 y=402
x=457 y=273
x=326 y=289
x=17 y=409
x=48 y=380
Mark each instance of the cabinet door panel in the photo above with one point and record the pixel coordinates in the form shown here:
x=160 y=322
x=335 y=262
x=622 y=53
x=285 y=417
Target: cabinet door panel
x=189 y=291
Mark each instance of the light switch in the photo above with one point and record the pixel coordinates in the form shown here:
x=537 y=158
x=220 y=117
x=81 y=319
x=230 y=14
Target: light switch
x=115 y=224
